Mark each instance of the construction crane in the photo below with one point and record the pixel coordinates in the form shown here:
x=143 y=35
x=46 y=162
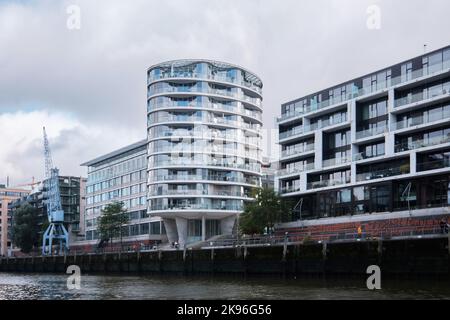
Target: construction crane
x=56 y=230
x=30 y=184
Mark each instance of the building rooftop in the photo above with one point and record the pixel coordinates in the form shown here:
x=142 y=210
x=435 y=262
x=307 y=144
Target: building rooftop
x=118 y=152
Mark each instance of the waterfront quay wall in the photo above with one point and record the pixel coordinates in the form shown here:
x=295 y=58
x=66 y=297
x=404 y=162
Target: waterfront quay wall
x=400 y=257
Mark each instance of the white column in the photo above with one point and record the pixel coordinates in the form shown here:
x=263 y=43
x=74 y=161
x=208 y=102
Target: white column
x=182 y=231
x=413 y=162
x=227 y=224
x=318 y=147
x=392 y=119
x=203 y=228
x=171 y=230
x=303 y=181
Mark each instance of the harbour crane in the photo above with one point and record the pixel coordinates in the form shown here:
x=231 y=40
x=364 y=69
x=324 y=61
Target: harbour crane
x=56 y=230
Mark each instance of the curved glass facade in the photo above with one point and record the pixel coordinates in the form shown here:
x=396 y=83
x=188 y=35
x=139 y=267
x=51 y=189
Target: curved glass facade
x=204 y=145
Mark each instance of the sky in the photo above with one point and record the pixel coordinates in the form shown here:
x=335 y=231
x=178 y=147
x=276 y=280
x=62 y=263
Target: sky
x=83 y=76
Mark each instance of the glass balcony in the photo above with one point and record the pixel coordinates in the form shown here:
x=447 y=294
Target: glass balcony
x=371 y=132
x=364 y=155
x=215 y=106
x=433 y=165
x=307 y=167
x=335 y=161
x=290 y=189
x=423 y=143
x=425 y=95
x=197 y=207
x=325 y=184
x=379 y=174
x=204 y=76
x=205 y=119
x=419 y=120
x=199 y=193
x=298 y=150
x=188 y=177
x=358 y=92
x=177 y=163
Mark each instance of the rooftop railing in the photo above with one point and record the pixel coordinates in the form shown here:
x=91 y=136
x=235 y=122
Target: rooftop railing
x=358 y=92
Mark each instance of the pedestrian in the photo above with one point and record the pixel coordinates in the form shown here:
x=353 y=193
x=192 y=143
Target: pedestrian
x=442 y=224
x=359 y=231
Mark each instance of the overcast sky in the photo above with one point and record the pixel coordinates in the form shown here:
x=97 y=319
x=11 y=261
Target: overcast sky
x=88 y=86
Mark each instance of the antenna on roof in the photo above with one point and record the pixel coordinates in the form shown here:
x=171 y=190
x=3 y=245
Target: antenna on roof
x=425 y=48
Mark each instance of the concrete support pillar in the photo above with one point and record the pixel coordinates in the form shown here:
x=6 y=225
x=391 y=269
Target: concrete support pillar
x=171 y=230
x=352 y=118
x=203 y=228
x=318 y=149
x=413 y=162
x=227 y=224
x=303 y=181
x=182 y=225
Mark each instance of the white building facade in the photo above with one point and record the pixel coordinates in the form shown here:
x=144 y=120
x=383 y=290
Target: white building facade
x=204 y=146
x=376 y=144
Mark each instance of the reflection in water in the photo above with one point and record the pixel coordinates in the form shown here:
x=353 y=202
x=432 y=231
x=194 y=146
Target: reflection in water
x=45 y=286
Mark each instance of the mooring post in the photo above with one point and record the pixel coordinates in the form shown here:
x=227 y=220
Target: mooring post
x=245 y=252
x=285 y=249
x=324 y=250
x=448 y=246
x=212 y=254
x=184 y=254
x=380 y=249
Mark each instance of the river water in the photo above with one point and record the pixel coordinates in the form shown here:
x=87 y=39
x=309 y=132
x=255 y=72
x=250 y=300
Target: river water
x=45 y=286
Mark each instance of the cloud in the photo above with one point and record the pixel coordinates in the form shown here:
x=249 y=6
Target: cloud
x=71 y=143
x=94 y=79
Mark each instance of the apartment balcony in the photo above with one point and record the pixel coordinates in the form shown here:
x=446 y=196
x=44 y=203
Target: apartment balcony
x=371 y=132
x=193 y=164
x=380 y=174
x=422 y=96
x=335 y=161
x=205 y=77
x=295 y=170
x=325 y=184
x=379 y=86
x=197 y=207
x=364 y=156
x=433 y=165
x=207 y=178
x=200 y=193
x=298 y=150
x=421 y=120
x=423 y=143
x=291 y=189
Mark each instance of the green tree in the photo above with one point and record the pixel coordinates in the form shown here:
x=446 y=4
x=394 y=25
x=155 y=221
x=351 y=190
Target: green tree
x=114 y=217
x=263 y=213
x=26 y=228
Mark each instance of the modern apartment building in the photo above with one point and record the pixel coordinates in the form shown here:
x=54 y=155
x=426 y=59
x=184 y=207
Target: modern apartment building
x=377 y=144
x=204 y=146
x=7 y=195
x=72 y=191
x=121 y=176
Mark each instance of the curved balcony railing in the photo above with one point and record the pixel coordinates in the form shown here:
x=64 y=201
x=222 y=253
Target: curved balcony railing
x=206 y=120
x=197 y=207
x=205 y=150
x=212 y=106
x=196 y=91
x=206 y=77
x=199 y=193
x=187 y=163
x=206 y=136
x=188 y=177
